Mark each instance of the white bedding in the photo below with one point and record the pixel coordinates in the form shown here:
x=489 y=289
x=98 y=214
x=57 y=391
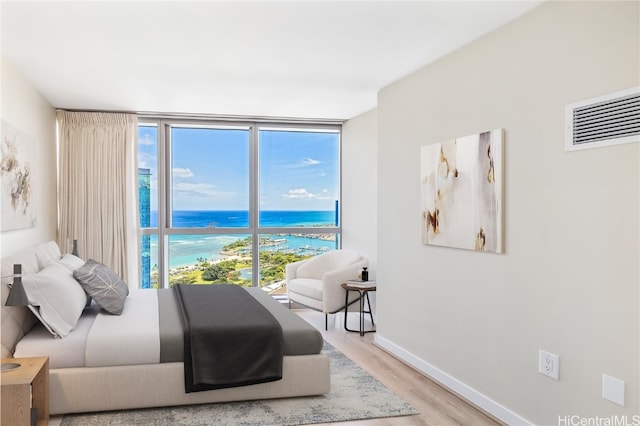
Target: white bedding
x=134 y=338
x=101 y=339
x=63 y=353
x=127 y=339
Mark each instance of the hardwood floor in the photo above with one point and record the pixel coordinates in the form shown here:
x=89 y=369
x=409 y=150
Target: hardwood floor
x=437 y=406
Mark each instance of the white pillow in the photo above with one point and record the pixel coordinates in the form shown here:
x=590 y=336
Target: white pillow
x=57 y=296
x=71 y=262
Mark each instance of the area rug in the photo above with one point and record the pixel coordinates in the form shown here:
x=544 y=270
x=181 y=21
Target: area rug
x=354 y=395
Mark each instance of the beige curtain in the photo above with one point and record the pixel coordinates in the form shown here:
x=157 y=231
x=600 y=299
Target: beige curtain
x=97 y=198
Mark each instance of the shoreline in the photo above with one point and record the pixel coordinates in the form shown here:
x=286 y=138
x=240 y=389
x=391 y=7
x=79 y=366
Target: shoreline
x=194 y=266
x=281 y=245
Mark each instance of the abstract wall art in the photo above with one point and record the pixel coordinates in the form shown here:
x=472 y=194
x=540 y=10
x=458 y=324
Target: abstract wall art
x=462 y=192
x=15 y=168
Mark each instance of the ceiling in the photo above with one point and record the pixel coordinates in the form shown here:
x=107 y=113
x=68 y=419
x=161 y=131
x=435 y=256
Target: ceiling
x=303 y=59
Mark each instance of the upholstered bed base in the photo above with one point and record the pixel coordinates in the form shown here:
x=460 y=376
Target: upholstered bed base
x=89 y=389
x=74 y=390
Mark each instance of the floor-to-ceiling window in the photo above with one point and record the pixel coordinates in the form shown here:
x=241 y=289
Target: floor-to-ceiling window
x=235 y=202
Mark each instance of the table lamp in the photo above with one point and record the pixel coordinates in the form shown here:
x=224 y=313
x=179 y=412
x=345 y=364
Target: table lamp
x=17 y=297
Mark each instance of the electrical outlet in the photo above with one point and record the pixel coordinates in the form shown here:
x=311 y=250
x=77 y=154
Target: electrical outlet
x=549 y=364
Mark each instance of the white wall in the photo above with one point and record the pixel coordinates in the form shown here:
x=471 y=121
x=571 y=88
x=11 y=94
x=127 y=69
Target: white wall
x=569 y=280
x=26 y=110
x=359 y=189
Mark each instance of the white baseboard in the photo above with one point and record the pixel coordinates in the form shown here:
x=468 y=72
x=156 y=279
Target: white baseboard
x=480 y=400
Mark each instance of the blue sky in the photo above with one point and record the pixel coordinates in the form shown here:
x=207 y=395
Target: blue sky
x=298 y=170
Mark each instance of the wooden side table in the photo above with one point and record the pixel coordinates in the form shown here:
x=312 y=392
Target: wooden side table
x=363 y=288
x=24 y=388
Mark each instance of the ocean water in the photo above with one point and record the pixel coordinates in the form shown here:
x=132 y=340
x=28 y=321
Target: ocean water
x=185 y=250
x=240 y=218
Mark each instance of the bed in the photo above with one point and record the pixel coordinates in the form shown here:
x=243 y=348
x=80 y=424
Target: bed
x=89 y=371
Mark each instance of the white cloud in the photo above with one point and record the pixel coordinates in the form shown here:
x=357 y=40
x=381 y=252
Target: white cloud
x=309 y=161
x=303 y=194
x=198 y=190
x=146 y=140
x=298 y=193
x=146 y=161
x=305 y=162
x=182 y=172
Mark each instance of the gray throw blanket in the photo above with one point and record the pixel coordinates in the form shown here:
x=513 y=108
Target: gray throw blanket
x=230 y=339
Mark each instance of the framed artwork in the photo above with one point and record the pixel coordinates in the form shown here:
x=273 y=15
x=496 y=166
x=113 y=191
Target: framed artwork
x=17 y=202
x=462 y=192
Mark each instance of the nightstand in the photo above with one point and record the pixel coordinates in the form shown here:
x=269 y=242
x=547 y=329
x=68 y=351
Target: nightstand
x=25 y=388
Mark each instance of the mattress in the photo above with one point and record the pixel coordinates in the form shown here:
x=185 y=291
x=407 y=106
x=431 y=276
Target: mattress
x=143 y=336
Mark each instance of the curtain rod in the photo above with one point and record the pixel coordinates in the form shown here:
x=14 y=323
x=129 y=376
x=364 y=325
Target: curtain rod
x=219 y=117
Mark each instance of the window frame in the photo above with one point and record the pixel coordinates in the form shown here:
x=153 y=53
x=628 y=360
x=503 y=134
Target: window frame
x=164 y=186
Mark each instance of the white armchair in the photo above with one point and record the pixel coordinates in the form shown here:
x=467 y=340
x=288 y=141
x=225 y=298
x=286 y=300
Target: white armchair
x=316 y=282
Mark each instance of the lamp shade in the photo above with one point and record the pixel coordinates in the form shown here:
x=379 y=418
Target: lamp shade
x=17 y=296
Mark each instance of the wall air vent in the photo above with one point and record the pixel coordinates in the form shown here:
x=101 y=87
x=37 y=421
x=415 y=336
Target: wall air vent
x=607 y=120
